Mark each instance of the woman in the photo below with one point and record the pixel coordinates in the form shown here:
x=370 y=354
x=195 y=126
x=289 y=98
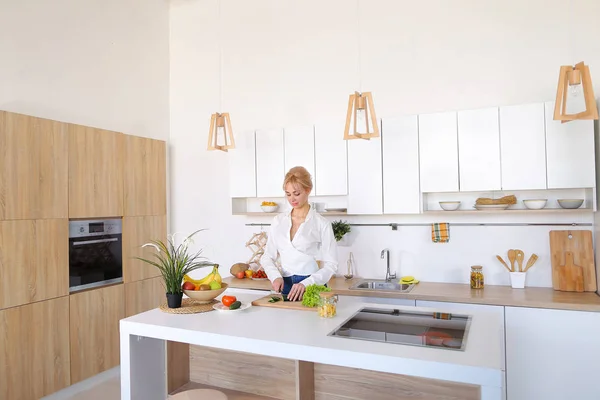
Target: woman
x=300 y=237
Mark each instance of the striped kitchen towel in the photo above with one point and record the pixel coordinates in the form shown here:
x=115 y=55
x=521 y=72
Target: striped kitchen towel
x=440 y=232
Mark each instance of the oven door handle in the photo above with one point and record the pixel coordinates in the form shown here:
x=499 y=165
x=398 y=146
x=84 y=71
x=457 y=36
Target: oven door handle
x=94 y=241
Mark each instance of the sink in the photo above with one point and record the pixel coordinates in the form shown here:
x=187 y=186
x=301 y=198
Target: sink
x=382 y=285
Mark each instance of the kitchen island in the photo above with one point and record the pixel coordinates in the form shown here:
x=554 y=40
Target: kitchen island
x=475 y=372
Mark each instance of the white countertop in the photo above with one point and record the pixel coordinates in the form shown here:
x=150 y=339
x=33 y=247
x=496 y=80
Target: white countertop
x=303 y=335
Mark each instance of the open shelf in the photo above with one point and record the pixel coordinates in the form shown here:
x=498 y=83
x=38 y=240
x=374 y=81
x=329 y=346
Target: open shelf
x=517 y=211
x=257 y=214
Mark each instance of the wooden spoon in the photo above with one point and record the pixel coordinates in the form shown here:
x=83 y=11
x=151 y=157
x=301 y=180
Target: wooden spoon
x=512 y=256
x=520 y=257
x=531 y=261
x=503 y=263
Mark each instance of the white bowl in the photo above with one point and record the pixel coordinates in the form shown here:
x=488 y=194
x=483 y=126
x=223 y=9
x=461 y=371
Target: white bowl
x=449 y=205
x=269 y=209
x=570 y=203
x=536 y=204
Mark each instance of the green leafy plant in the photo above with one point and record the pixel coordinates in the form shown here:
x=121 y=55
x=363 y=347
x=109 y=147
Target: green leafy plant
x=311 y=294
x=340 y=228
x=174 y=262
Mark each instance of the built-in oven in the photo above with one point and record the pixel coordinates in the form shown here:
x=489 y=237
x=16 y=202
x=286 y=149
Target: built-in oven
x=95 y=253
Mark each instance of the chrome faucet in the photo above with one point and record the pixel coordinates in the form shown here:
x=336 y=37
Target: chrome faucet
x=388 y=275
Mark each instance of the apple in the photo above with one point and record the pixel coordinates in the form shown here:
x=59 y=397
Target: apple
x=240 y=275
x=188 y=286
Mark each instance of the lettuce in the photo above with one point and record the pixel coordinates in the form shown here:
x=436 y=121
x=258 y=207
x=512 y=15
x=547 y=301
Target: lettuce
x=311 y=294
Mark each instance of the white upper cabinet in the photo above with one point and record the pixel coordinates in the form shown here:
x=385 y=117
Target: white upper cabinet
x=570 y=157
x=522 y=147
x=269 y=163
x=400 y=140
x=331 y=160
x=365 y=188
x=299 y=145
x=242 y=166
x=479 y=150
x=438 y=151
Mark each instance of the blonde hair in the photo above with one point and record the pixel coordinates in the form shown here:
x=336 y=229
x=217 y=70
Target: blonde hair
x=298 y=176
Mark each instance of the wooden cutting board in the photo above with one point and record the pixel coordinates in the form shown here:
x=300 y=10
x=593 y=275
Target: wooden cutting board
x=580 y=244
x=290 y=305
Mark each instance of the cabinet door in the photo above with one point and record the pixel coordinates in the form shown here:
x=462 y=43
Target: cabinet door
x=94 y=330
x=145 y=176
x=269 y=163
x=33 y=167
x=138 y=231
x=570 y=157
x=550 y=354
x=34 y=349
x=299 y=148
x=34 y=261
x=522 y=147
x=242 y=166
x=438 y=151
x=144 y=295
x=479 y=150
x=95 y=172
x=331 y=159
x=365 y=186
x=400 y=141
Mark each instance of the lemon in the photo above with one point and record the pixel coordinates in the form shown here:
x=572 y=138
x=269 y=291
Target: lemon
x=214 y=285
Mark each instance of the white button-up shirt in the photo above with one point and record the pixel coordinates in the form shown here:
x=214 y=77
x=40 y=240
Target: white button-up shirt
x=313 y=241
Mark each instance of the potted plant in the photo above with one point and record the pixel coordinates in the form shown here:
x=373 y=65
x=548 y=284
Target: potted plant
x=174 y=262
x=340 y=228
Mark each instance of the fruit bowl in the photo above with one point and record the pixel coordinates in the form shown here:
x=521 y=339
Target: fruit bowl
x=205 y=296
x=269 y=209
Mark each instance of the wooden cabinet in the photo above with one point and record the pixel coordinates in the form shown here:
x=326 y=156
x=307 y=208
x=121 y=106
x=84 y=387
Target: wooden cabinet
x=570 y=156
x=299 y=148
x=438 y=152
x=523 y=147
x=34 y=349
x=550 y=354
x=479 y=150
x=400 y=141
x=94 y=330
x=143 y=295
x=34 y=261
x=95 y=172
x=144 y=176
x=269 y=163
x=138 y=231
x=33 y=167
x=365 y=186
x=242 y=166
x=331 y=159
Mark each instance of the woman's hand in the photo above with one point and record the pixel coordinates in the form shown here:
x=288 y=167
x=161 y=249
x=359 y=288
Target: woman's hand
x=278 y=285
x=296 y=292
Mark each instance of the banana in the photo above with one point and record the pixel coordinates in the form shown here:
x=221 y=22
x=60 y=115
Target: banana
x=213 y=275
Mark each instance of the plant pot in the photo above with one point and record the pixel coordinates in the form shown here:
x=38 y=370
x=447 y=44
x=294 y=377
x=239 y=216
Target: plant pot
x=174 y=300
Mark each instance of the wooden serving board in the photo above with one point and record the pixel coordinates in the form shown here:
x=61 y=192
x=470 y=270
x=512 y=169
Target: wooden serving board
x=580 y=244
x=290 y=305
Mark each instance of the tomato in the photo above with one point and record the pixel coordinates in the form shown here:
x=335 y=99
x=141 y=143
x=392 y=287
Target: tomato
x=240 y=275
x=228 y=300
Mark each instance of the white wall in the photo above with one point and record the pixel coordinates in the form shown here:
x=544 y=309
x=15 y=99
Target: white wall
x=288 y=63
x=101 y=63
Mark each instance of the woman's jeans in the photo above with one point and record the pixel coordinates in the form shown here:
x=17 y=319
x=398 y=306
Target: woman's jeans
x=289 y=281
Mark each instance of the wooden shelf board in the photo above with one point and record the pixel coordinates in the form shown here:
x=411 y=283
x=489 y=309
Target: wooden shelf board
x=518 y=211
x=231 y=394
x=266 y=214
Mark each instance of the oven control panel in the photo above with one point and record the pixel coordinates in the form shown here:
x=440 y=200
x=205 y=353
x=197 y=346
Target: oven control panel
x=97 y=227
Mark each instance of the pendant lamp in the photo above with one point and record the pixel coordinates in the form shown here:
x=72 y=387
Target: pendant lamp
x=220 y=135
x=361 y=121
x=577 y=82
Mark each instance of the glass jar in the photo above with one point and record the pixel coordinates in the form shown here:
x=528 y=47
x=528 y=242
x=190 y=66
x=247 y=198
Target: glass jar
x=476 y=277
x=327 y=304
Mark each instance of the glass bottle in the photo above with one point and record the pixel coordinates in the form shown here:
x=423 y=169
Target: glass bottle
x=476 y=277
x=327 y=304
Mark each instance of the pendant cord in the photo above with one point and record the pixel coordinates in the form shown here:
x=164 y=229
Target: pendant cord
x=358 y=42
x=220 y=59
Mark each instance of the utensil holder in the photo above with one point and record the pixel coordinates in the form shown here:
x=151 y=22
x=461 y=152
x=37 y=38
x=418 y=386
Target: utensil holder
x=517 y=280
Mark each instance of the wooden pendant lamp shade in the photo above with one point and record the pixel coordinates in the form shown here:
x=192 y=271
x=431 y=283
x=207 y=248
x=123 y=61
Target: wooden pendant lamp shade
x=358 y=127
x=220 y=127
x=572 y=77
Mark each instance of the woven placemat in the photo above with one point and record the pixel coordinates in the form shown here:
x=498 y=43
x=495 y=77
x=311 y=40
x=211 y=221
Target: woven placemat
x=188 y=306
